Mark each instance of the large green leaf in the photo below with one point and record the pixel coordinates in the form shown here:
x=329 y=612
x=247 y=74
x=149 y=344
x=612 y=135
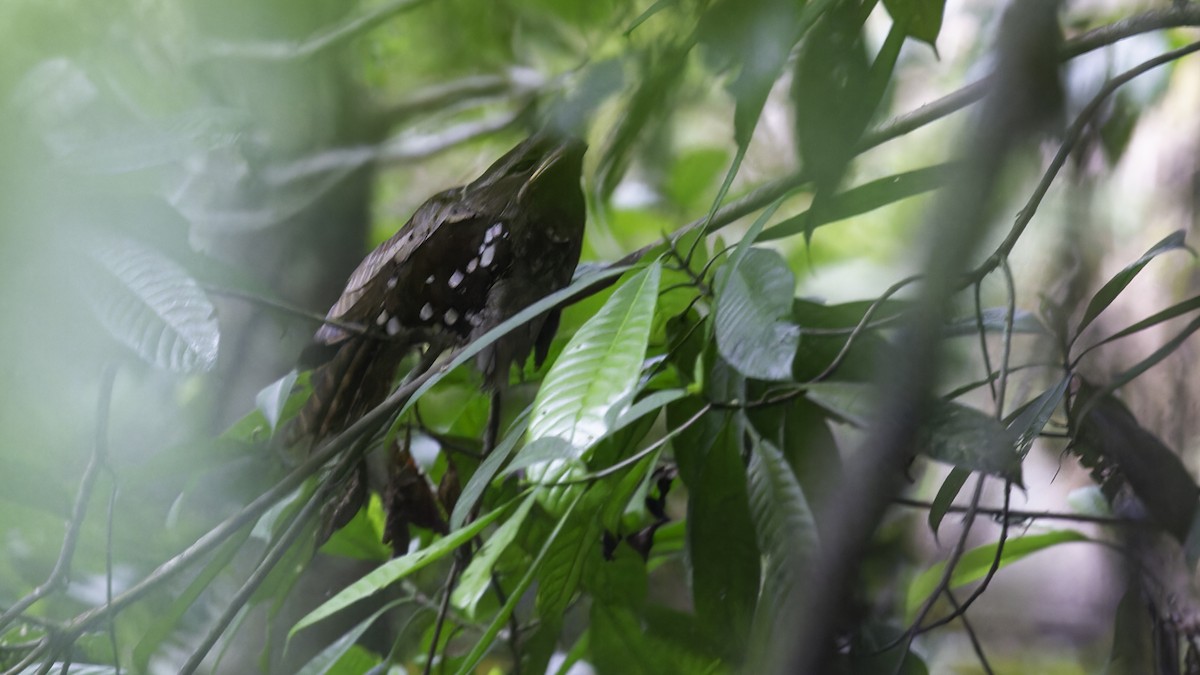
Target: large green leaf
x=951 y=433
x=151 y=304
x=599 y=366
x=753 y=331
x=722 y=546
x=784 y=525
x=968 y=438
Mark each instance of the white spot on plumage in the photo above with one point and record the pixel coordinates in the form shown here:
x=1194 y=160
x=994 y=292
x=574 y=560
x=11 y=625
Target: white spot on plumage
x=456 y=279
x=487 y=255
x=472 y=265
x=382 y=318
x=391 y=283
x=429 y=279
x=493 y=232
x=451 y=317
x=426 y=312
x=393 y=326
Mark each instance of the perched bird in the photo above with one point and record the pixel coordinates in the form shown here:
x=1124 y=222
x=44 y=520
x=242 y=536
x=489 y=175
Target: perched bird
x=468 y=259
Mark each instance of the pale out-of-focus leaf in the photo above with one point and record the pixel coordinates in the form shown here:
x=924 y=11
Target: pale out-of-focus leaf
x=151 y=304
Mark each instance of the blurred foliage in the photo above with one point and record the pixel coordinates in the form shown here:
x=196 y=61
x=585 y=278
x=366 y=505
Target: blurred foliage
x=186 y=183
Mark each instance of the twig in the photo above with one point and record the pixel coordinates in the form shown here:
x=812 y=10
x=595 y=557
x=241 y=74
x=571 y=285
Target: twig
x=1006 y=351
x=970 y=631
x=1070 y=140
x=281 y=546
x=947 y=573
x=285 y=50
x=62 y=566
x=991 y=573
x=983 y=345
x=1014 y=514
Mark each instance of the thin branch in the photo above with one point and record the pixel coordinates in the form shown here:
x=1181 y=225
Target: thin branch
x=286 y=50
x=1017 y=515
x=970 y=631
x=982 y=332
x=252 y=511
x=1006 y=351
x=947 y=573
x=281 y=546
x=62 y=566
x=315 y=317
x=1156 y=19
x=991 y=573
x=1070 y=140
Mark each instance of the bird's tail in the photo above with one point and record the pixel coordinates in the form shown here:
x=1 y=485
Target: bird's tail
x=356 y=379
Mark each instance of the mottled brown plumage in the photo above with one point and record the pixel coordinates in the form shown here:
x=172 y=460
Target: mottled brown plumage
x=468 y=259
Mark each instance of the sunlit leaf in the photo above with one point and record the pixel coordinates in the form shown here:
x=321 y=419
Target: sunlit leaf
x=598 y=367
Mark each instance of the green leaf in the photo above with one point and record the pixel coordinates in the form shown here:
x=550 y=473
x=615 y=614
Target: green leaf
x=599 y=366
x=753 y=330
x=722 y=546
x=1029 y=421
x=326 y=660
x=851 y=402
x=970 y=439
x=478 y=575
x=542 y=450
x=945 y=496
x=522 y=317
x=471 y=660
x=563 y=567
x=785 y=529
x=394 y=570
x=619 y=643
x=151 y=304
x=951 y=433
x=487 y=470
x=864 y=199
x=974 y=564
x=659 y=78
x=1179 y=309
x=921 y=19
x=1109 y=292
